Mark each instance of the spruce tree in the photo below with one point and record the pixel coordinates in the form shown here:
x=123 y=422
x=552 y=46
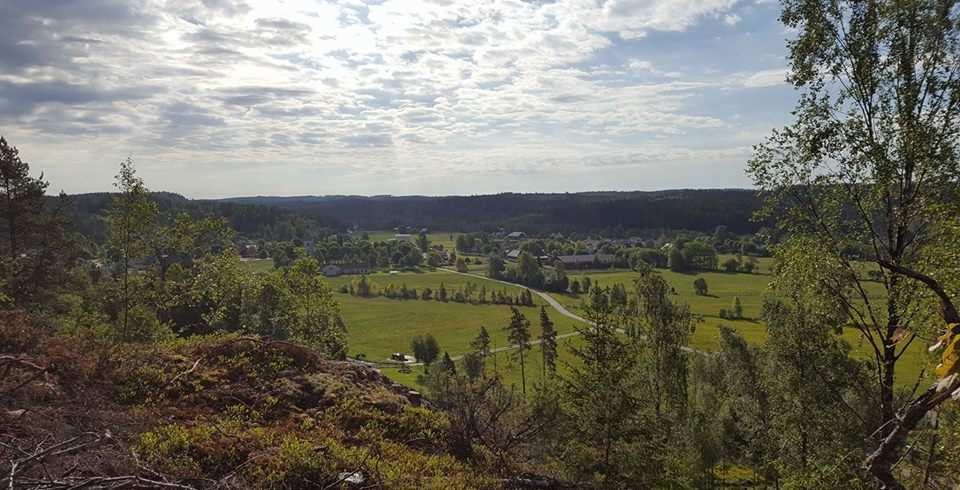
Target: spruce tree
x=518 y=333
x=548 y=343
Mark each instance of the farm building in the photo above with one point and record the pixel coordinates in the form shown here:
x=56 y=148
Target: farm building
x=516 y=235
x=334 y=270
x=586 y=261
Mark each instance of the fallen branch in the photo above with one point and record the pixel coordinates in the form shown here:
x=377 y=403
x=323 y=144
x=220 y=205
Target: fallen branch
x=185 y=373
x=9 y=362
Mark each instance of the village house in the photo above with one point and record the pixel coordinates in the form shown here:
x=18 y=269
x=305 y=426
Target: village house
x=586 y=261
x=334 y=270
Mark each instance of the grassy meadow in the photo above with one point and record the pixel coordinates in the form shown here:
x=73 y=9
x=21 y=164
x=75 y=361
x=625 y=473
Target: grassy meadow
x=379 y=326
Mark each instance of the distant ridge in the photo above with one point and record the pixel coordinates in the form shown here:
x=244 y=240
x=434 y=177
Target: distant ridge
x=689 y=209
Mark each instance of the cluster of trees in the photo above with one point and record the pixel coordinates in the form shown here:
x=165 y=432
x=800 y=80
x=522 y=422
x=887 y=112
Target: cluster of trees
x=691 y=256
x=159 y=271
x=624 y=396
x=739 y=264
x=468 y=293
x=356 y=251
x=528 y=272
x=735 y=312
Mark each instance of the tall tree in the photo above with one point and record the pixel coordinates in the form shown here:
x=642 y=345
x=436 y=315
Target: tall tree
x=423 y=243
x=602 y=396
x=35 y=251
x=870 y=158
x=495 y=267
x=666 y=328
x=548 y=343
x=131 y=221
x=22 y=198
x=518 y=333
x=481 y=345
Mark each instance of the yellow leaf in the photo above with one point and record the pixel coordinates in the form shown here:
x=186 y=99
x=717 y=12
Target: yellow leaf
x=949 y=358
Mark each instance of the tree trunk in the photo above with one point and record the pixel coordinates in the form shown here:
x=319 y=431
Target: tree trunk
x=881 y=462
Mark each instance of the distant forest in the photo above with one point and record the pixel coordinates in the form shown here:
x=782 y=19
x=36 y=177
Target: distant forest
x=311 y=217
x=610 y=213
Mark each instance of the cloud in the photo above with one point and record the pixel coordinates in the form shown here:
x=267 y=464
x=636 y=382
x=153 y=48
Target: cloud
x=765 y=78
x=419 y=86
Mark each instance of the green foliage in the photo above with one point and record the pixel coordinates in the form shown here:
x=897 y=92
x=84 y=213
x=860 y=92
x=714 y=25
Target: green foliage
x=700 y=286
x=425 y=348
x=131 y=223
x=548 y=342
x=677 y=262
x=869 y=163
x=732 y=265
x=518 y=334
x=462 y=265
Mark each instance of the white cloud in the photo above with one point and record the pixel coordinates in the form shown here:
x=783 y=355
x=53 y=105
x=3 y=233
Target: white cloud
x=765 y=78
x=410 y=84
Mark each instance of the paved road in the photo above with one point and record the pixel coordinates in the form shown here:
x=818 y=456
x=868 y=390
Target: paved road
x=552 y=302
x=556 y=305
x=546 y=297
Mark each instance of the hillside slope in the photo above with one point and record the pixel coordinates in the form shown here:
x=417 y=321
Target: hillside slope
x=211 y=412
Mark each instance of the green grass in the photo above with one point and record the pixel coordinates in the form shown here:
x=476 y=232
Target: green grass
x=378 y=327
x=507 y=365
x=425 y=279
x=751 y=288
x=258 y=265
x=445 y=238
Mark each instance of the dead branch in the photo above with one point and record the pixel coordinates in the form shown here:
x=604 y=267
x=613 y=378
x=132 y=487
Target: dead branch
x=17 y=479
x=98 y=482
x=185 y=373
x=9 y=362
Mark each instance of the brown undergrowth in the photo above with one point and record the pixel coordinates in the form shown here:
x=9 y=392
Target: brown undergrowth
x=220 y=411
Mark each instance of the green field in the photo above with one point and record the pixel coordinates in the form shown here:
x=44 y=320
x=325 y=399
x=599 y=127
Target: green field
x=378 y=327
x=425 y=279
x=445 y=238
x=258 y=265
x=750 y=288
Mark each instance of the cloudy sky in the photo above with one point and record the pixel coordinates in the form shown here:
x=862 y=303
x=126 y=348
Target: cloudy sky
x=280 y=97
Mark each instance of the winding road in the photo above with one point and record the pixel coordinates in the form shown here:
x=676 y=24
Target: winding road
x=556 y=305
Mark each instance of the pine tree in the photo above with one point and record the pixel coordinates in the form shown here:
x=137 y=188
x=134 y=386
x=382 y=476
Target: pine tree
x=518 y=333
x=447 y=364
x=22 y=198
x=363 y=287
x=737 y=308
x=30 y=226
x=481 y=347
x=548 y=343
x=442 y=293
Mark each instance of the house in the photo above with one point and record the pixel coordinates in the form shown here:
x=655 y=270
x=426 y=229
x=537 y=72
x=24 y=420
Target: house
x=514 y=254
x=334 y=270
x=249 y=250
x=516 y=235
x=403 y=237
x=586 y=261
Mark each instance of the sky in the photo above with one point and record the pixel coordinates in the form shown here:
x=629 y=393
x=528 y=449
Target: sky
x=217 y=98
